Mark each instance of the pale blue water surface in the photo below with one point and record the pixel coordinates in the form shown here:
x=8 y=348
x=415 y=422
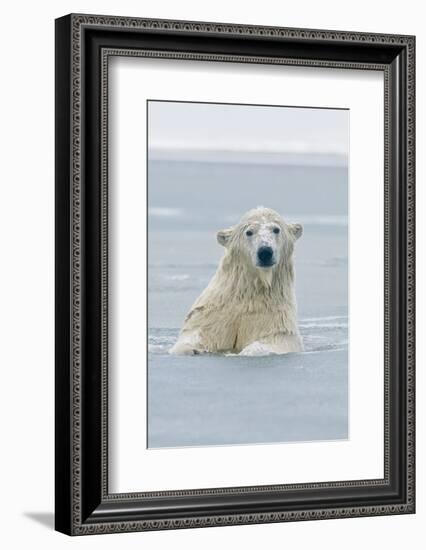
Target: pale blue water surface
x=223 y=400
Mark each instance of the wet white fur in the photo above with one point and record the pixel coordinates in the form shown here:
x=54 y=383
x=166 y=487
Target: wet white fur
x=246 y=308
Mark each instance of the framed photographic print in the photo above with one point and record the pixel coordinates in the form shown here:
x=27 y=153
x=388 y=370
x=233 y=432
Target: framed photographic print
x=234 y=274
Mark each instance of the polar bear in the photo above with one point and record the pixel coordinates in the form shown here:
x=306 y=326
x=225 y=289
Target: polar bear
x=249 y=306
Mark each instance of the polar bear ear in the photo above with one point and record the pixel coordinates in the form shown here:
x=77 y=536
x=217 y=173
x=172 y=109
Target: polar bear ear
x=296 y=229
x=224 y=235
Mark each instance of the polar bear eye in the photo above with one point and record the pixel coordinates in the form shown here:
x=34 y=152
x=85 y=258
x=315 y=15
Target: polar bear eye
x=276 y=230
x=249 y=233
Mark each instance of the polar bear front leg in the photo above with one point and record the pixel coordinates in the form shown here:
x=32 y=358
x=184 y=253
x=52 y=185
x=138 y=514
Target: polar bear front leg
x=187 y=344
x=256 y=349
x=278 y=344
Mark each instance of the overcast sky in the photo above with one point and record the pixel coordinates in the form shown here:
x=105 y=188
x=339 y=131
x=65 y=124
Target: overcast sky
x=209 y=126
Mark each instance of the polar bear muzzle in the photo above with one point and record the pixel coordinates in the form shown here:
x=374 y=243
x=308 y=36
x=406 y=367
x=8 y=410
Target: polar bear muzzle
x=265 y=256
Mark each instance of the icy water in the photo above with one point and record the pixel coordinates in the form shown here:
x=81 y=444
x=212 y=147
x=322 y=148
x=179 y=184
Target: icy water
x=227 y=399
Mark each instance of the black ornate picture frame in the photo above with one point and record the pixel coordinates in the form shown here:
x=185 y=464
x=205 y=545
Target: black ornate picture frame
x=84 y=43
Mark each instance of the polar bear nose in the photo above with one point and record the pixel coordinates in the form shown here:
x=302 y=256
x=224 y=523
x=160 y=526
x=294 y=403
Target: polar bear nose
x=265 y=254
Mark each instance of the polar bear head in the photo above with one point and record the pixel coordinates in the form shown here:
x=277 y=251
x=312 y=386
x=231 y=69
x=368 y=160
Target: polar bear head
x=261 y=239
